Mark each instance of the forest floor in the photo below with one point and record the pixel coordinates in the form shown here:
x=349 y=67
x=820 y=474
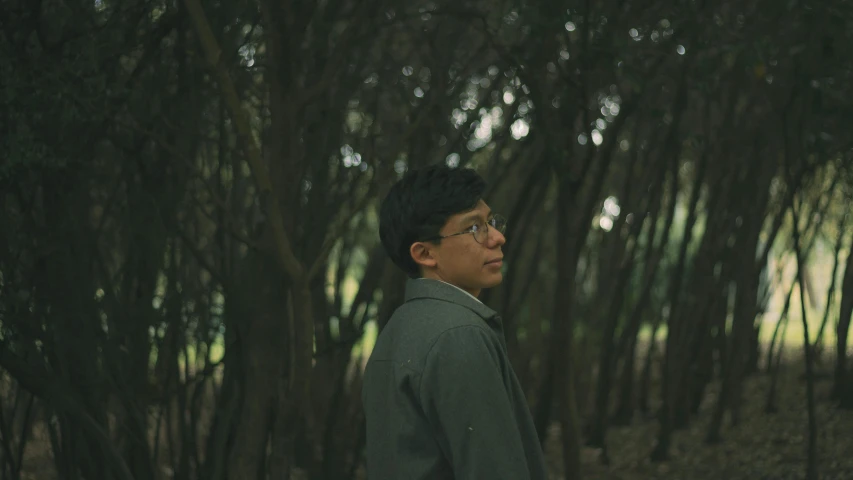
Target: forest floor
x=762 y=447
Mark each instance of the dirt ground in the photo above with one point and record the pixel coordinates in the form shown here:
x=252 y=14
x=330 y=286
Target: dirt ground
x=763 y=447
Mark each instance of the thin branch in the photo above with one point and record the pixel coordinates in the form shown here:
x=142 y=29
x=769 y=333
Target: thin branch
x=337 y=228
x=229 y=223
x=269 y=199
x=199 y=256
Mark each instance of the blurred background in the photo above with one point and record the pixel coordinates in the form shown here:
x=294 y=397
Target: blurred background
x=190 y=274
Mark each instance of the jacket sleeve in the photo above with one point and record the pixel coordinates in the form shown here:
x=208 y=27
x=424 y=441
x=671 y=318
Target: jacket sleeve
x=465 y=400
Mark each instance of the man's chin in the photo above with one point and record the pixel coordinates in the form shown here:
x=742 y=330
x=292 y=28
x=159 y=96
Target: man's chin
x=493 y=281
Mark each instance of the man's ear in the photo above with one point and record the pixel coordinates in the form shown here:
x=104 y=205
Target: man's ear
x=423 y=254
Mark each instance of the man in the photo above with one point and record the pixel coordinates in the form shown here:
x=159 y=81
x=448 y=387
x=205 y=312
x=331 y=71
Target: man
x=440 y=396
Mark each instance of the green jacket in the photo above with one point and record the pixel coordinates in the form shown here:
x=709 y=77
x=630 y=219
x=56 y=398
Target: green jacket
x=440 y=396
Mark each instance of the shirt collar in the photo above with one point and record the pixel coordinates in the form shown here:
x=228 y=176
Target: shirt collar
x=430 y=288
x=454 y=286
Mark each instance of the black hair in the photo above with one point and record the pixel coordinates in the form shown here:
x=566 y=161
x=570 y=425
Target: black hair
x=418 y=206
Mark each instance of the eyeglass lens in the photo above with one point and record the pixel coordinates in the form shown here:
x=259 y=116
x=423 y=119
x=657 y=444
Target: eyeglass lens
x=497 y=222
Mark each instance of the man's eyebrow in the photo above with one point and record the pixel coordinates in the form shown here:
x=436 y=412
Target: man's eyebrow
x=475 y=216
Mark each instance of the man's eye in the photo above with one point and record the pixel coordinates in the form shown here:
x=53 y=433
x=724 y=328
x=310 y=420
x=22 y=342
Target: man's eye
x=474 y=228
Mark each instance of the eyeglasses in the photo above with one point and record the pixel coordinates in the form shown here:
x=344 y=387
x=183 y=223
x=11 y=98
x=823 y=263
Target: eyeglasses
x=479 y=230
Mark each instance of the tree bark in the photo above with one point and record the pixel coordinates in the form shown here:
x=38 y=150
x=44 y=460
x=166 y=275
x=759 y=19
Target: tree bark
x=646 y=378
x=661 y=450
x=746 y=295
x=811 y=465
x=843 y=328
x=746 y=303
x=609 y=350
x=653 y=259
x=563 y=348
x=830 y=292
x=773 y=367
x=783 y=316
x=289 y=400
x=613 y=273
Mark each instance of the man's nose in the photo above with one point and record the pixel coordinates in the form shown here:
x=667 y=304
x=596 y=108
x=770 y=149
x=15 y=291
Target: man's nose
x=496 y=238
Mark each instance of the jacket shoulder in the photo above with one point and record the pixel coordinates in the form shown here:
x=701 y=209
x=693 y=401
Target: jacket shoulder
x=417 y=324
x=439 y=314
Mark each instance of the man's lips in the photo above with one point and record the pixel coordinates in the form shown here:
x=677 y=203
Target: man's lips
x=496 y=261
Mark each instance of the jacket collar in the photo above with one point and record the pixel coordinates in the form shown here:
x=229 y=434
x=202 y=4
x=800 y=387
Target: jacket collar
x=428 y=288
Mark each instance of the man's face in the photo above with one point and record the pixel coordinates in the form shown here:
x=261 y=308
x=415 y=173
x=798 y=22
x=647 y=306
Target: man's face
x=460 y=259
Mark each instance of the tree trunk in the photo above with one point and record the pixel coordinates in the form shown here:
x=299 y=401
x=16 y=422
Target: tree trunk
x=746 y=273
x=292 y=409
x=535 y=343
x=338 y=364
x=700 y=357
x=830 y=292
x=746 y=303
x=811 y=465
x=704 y=372
x=625 y=408
x=562 y=347
x=846 y=394
x=774 y=367
x=626 y=256
x=843 y=328
x=608 y=352
x=646 y=379
x=268 y=337
x=290 y=400
x=690 y=336
x=661 y=450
